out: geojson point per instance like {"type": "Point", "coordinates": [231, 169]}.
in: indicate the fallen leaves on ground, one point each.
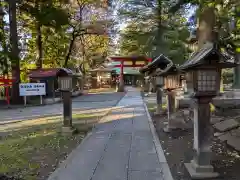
{"type": "Point", "coordinates": [32, 151]}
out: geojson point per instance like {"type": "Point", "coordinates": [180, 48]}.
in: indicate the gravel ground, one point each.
{"type": "Point", "coordinates": [178, 150]}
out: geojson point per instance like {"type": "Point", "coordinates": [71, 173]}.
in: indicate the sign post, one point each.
{"type": "Point", "coordinates": [32, 89]}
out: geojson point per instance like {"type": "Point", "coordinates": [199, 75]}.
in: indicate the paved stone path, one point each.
{"type": "Point", "coordinates": [81, 103]}
{"type": "Point", "coordinates": [122, 147]}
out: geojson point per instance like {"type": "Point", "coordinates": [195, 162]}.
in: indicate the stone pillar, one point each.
{"type": "Point", "coordinates": [121, 78]}
{"type": "Point", "coordinates": [134, 81]}
{"type": "Point", "coordinates": [121, 85]}
{"type": "Point", "coordinates": [150, 87]}
{"type": "Point", "coordinates": [67, 112]}
{"type": "Point", "coordinates": [171, 109]}
{"type": "Point", "coordinates": [154, 85]}
{"type": "Point", "coordinates": [200, 167]}
{"type": "Point", "coordinates": [159, 94]}
{"type": "Point", "coordinates": [146, 84]}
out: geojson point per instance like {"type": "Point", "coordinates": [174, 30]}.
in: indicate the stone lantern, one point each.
{"type": "Point", "coordinates": [159, 81]}
{"type": "Point", "coordinates": [171, 80]}
{"type": "Point", "coordinates": [159, 84]}
{"type": "Point", "coordinates": [171, 84]}
{"type": "Point", "coordinates": [158, 65]}
{"type": "Point", "coordinates": [65, 87]}
{"type": "Point", "coordinates": [203, 70]}
{"type": "Point", "coordinates": [65, 83]}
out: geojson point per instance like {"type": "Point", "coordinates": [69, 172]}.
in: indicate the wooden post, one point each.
{"type": "Point", "coordinates": [25, 100]}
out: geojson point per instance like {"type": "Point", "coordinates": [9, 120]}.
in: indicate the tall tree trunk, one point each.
{"type": "Point", "coordinates": [70, 48]}
{"type": "Point", "coordinates": [39, 46]}
{"type": "Point", "coordinates": [158, 38]}
{"type": "Point", "coordinates": [236, 80]}
{"type": "Point", "coordinates": [39, 40]}
{"type": "Point", "coordinates": [82, 40]}
{"type": "Point", "coordinates": [207, 22]}
{"type": "Point", "coordinates": [14, 55]}
{"type": "Point", "coordinates": [3, 40]}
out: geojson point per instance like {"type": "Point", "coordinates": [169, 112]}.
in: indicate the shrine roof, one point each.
{"type": "Point", "coordinates": [129, 58]}
{"type": "Point", "coordinates": [49, 72]}
{"type": "Point", "coordinates": [160, 62]}
{"type": "Point", "coordinates": [199, 58]}
{"type": "Point", "coordinates": [102, 69]}
{"type": "Point", "coordinates": [173, 69]}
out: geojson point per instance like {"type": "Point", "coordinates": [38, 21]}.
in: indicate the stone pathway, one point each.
{"type": "Point", "coordinates": [123, 146]}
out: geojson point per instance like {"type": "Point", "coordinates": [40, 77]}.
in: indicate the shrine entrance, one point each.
{"type": "Point", "coordinates": [133, 62]}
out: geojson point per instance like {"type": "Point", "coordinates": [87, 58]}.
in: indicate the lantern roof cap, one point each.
{"type": "Point", "coordinates": [208, 49]}
{"type": "Point", "coordinates": [160, 61]}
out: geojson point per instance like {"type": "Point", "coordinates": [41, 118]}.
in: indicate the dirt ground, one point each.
{"type": "Point", "coordinates": [178, 150]}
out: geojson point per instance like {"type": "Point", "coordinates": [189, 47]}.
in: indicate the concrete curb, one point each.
{"type": "Point", "coordinates": [71, 156]}
{"type": "Point", "coordinates": [161, 157]}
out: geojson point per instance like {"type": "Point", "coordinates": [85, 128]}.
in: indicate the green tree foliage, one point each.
{"type": "Point", "coordinates": [63, 25]}
{"type": "Point", "coordinates": [151, 31]}
{"type": "Point", "coordinates": [227, 19]}
{"type": "Point", "coordinates": [52, 33]}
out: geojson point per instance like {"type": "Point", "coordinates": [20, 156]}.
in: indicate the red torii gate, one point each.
{"type": "Point", "coordinates": [129, 61]}
{"type": "Point", "coordinates": [6, 82]}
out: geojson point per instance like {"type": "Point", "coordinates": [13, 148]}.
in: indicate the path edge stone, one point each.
{"type": "Point", "coordinates": [63, 164]}
{"type": "Point", "coordinates": [161, 157]}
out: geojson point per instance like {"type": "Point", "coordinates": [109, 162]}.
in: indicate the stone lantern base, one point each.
{"type": "Point", "coordinates": [120, 88]}
{"type": "Point", "coordinates": [159, 110]}
{"type": "Point", "coordinates": [68, 130]}
{"type": "Point", "coordinates": [200, 172]}
{"type": "Point", "coordinates": [177, 121]}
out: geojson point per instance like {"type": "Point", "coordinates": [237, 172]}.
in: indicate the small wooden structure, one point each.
{"type": "Point", "coordinates": [103, 77]}
{"type": "Point", "coordinates": [50, 77]}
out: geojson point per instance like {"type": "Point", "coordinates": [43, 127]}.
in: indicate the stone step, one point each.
{"type": "Point", "coordinates": [232, 138]}
{"type": "Point", "coordinates": [226, 125]}
{"type": "Point", "coordinates": [215, 120]}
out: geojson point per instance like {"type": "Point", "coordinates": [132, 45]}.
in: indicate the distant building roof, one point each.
{"type": "Point", "coordinates": [102, 69]}
{"type": "Point", "coordinates": [49, 72]}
